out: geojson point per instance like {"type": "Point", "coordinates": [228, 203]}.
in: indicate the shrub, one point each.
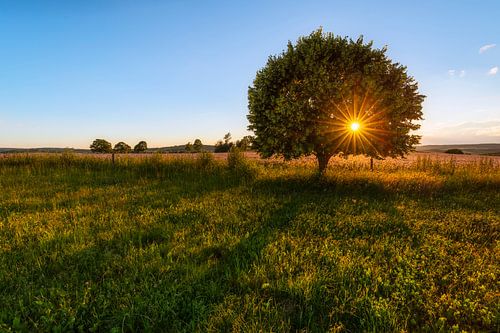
{"type": "Point", "coordinates": [237, 162]}
{"type": "Point", "coordinates": [454, 151]}
{"type": "Point", "coordinates": [235, 158]}
{"type": "Point", "coordinates": [205, 161]}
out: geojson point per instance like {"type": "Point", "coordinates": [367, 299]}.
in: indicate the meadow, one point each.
{"type": "Point", "coordinates": [188, 244]}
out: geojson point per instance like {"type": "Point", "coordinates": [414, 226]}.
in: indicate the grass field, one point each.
{"type": "Point", "coordinates": [203, 244]}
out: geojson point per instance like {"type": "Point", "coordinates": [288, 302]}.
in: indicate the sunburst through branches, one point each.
{"type": "Point", "coordinates": [358, 125]}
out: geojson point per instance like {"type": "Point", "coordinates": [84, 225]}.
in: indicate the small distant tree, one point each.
{"type": "Point", "coordinates": [141, 147]}
{"type": "Point", "coordinates": [197, 145]}
{"type": "Point", "coordinates": [223, 146]}
{"type": "Point", "coordinates": [101, 146]}
{"type": "Point", "coordinates": [245, 143]}
{"type": "Point", "coordinates": [122, 148]}
{"type": "Point", "coordinates": [188, 147]}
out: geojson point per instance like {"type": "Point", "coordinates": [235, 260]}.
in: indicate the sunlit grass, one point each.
{"type": "Point", "coordinates": [178, 244]}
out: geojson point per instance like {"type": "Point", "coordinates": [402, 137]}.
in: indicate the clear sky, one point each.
{"type": "Point", "coordinates": [172, 71]}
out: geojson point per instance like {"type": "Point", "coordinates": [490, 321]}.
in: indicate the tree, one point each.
{"type": "Point", "coordinates": [329, 95]}
{"type": "Point", "coordinates": [245, 143]}
{"type": "Point", "coordinates": [122, 147]}
{"type": "Point", "coordinates": [224, 146]}
{"type": "Point", "coordinates": [197, 145]}
{"type": "Point", "coordinates": [101, 146]}
{"type": "Point", "coordinates": [188, 147]}
{"type": "Point", "coordinates": [141, 147]}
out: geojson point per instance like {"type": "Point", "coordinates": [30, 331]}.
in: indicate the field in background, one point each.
{"type": "Point", "coordinates": [176, 243]}
{"type": "Point", "coordinates": [492, 149]}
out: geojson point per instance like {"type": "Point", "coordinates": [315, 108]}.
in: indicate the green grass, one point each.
{"type": "Point", "coordinates": [155, 244]}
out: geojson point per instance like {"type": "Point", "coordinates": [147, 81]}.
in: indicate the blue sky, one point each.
{"type": "Point", "coordinates": [172, 71]}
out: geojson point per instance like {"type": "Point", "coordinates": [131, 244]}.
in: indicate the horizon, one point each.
{"type": "Point", "coordinates": [169, 73]}
{"type": "Point", "coordinates": [208, 144]}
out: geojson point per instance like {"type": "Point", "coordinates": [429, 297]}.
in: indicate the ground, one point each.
{"type": "Point", "coordinates": [195, 243]}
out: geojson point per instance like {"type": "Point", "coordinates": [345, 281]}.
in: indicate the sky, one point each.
{"type": "Point", "coordinates": [169, 72]}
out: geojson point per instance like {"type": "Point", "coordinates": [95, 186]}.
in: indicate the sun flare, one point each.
{"type": "Point", "coordinates": [355, 126]}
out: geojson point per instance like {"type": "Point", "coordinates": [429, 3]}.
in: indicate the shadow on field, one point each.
{"type": "Point", "coordinates": [133, 279]}
{"type": "Point", "coordinates": [192, 285]}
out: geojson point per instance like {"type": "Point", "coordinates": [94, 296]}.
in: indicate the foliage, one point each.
{"type": "Point", "coordinates": [163, 243]}
{"type": "Point", "coordinates": [304, 101]}
{"type": "Point", "coordinates": [101, 146]}
{"type": "Point", "coordinates": [141, 147]}
{"type": "Point", "coordinates": [235, 158]}
{"type": "Point", "coordinates": [122, 148]}
{"type": "Point", "coordinates": [454, 151]}
{"type": "Point", "coordinates": [205, 161]}
{"type": "Point", "coordinates": [223, 146]}
{"type": "Point", "coordinates": [188, 147]}
{"type": "Point", "coordinates": [240, 165]}
{"type": "Point", "coordinates": [197, 146]}
{"type": "Point", "coordinates": [245, 143]}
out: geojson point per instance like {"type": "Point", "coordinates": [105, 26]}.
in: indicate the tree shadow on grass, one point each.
{"type": "Point", "coordinates": [134, 280]}
{"type": "Point", "coordinates": [104, 265]}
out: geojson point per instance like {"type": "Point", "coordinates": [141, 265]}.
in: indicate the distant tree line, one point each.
{"type": "Point", "coordinates": [103, 146]}
{"type": "Point", "coordinates": [224, 145]}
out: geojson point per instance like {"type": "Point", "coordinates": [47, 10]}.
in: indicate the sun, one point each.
{"type": "Point", "coordinates": [355, 126]}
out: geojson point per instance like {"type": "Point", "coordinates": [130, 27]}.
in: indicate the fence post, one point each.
{"type": "Point", "coordinates": [371, 164]}
{"type": "Point", "coordinates": [113, 158]}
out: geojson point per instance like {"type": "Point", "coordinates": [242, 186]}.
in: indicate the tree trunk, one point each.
{"type": "Point", "coordinates": [323, 162]}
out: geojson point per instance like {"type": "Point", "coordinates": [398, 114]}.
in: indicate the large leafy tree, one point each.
{"type": "Point", "coordinates": [329, 95]}
{"type": "Point", "coordinates": [101, 146]}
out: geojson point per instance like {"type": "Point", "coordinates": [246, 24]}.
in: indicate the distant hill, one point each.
{"type": "Point", "coordinates": [479, 149]}
{"type": "Point", "coordinates": [43, 150]}
{"type": "Point", "coordinates": [171, 149]}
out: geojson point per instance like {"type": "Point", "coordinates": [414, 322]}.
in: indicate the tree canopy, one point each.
{"type": "Point", "coordinates": [245, 143]}
{"type": "Point", "coordinates": [122, 147]}
{"type": "Point", "coordinates": [329, 95]}
{"type": "Point", "coordinates": [140, 147]}
{"type": "Point", "coordinates": [101, 146]}
{"type": "Point", "coordinates": [197, 145]}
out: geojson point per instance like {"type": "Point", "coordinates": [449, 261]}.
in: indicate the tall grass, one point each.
{"type": "Point", "coordinates": [160, 243]}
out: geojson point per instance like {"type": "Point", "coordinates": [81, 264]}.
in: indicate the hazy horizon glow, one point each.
{"type": "Point", "coordinates": [171, 72]}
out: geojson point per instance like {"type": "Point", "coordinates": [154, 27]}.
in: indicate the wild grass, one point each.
{"type": "Point", "coordinates": [199, 244]}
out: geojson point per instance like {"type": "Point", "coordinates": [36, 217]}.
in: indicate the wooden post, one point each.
{"type": "Point", "coordinates": [113, 158]}
{"type": "Point", "coordinates": [371, 164]}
